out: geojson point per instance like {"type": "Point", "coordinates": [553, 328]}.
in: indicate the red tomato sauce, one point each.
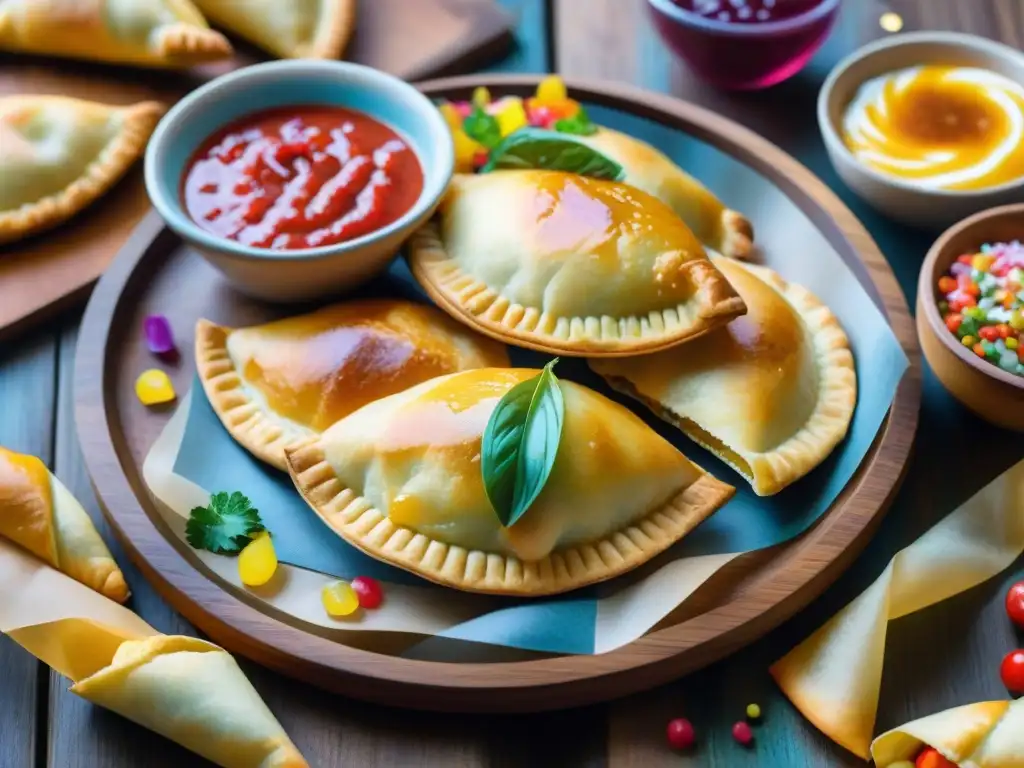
{"type": "Point", "coordinates": [301, 177]}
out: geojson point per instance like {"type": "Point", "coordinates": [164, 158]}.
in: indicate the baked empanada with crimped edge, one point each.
{"type": "Point", "coordinates": [298, 29]}
{"type": "Point", "coordinates": [153, 33]}
{"type": "Point", "coordinates": [568, 264]}
{"type": "Point", "coordinates": [58, 155]}
{"type": "Point", "coordinates": [771, 394]}
{"type": "Point", "coordinates": [42, 517]}
{"type": "Point", "coordinates": [401, 480]}
{"type": "Point", "coordinates": [274, 384]}
{"type": "Point", "coordinates": [718, 227]}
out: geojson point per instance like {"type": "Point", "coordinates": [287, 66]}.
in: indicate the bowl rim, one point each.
{"type": "Point", "coordinates": [683, 16]}
{"type": "Point", "coordinates": [929, 306]}
{"type": "Point", "coordinates": [369, 78]}
{"type": "Point", "coordinates": [835, 145]}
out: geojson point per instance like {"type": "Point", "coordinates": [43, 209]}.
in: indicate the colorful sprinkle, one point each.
{"type": "Point", "coordinates": [339, 599]}
{"type": "Point", "coordinates": [159, 337]}
{"type": "Point", "coordinates": [742, 733]}
{"type": "Point", "coordinates": [257, 562]}
{"type": "Point", "coordinates": [680, 733]}
{"type": "Point", "coordinates": [981, 301]}
{"type": "Point", "coordinates": [368, 591]}
{"type": "Point", "coordinates": [154, 387]}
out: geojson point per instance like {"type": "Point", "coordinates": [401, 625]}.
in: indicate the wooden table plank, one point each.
{"type": "Point", "coordinates": [942, 657]}
{"type": "Point", "coordinates": [27, 391]}
{"type": "Point", "coordinates": [331, 731]}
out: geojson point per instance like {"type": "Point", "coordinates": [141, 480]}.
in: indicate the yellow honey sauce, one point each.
{"type": "Point", "coordinates": [939, 127]}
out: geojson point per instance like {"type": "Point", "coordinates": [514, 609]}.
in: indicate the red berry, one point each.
{"type": "Point", "coordinates": [989, 333]}
{"type": "Point", "coordinates": [680, 733]}
{"type": "Point", "coordinates": [1015, 604]}
{"type": "Point", "coordinates": [742, 733]}
{"type": "Point", "coordinates": [1012, 672]}
{"type": "Point", "coordinates": [368, 591]}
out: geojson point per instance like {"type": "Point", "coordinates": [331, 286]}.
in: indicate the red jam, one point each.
{"type": "Point", "coordinates": [747, 11]}
{"type": "Point", "coordinates": [301, 177]}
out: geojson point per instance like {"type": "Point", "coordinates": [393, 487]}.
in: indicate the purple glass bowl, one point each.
{"type": "Point", "coordinates": [744, 56]}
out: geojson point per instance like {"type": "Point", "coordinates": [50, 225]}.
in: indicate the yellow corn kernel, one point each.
{"type": "Point", "coordinates": [982, 262]}
{"type": "Point", "coordinates": [257, 563]}
{"type": "Point", "coordinates": [339, 599]}
{"type": "Point", "coordinates": [551, 90]}
{"type": "Point", "coordinates": [451, 115]}
{"type": "Point", "coordinates": [481, 96]}
{"type": "Point", "coordinates": [154, 387]}
{"type": "Point", "coordinates": [967, 341]}
{"type": "Point", "coordinates": [465, 150]}
{"type": "Point", "coordinates": [512, 117]}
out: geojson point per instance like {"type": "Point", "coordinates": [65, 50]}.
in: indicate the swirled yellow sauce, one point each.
{"type": "Point", "coordinates": [939, 127]}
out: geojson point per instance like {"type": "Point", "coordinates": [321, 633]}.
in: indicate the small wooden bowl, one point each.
{"type": "Point", "coordinates": [989, 391]}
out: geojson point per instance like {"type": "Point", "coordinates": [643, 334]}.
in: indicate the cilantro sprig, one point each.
{"type": "Point", "coordinates": [225, 526]}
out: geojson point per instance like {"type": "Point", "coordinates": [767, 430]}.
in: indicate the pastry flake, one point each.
{"type": "Point", "coordinates": [989, 734]}
{"type": "Point", "coordinates": [40, 515]}
{"type": "Point", "coordinates": [300, 29]}
{"type": "Point", "coordinates": [156, 33]}
{"type": "Point", "coordinates": [276, 384]}
{"type": "Point", "coordinates": [569, 265]}
{"type": "Point", "coordinates": [401, 480]}
{"type": "Point", "coordinates": [771, 394]}
{"type": "Point", "coordinates": [720, 228]}
{"type": "Point", "coordinates": [58, 155]}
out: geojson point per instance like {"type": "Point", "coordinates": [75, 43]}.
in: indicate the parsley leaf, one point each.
{"type": "Point", "coordinates": [482, 128]}
{"type": "Point", "coordinates": [578, 124]}
{"type": "Point", "coordinates": [224, 527]}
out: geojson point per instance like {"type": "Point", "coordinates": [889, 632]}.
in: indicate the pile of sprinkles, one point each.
{"type": "Point", "coordinates": [981, 300]}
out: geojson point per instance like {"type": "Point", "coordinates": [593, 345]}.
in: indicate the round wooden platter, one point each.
{"type": "Point", "coordinates": [155, 273]}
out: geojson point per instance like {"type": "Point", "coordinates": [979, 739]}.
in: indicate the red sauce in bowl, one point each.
{"type": "Point", "coordinates": [301, 177]}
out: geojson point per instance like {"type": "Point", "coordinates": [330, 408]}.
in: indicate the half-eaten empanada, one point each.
{"type": "Point", "coordinates": [401, 479]}
{"type": "Point", "coordinates": [771, 394]}
{"type": "Point", "coordinates": [275, 384]}
{"type": "Point", "coordinates": [298, 29]}
{"type": "Point", "coordinates": [569, 264]}
{"type": "Point", "coordinates": [720, 228]}
{"type": "Point", "coordinates": [40, 515]}
{"type": "Point", "coordinates": [155, 33]}
{"type": "Point", "coordinates": [57, 155]}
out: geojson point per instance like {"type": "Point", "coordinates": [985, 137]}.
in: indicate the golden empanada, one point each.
{"type": "Point", "coordinates": [40, 515]}
{"type": "Point", "coordinates": [989, 734]}
{"type": "Point", "coordinates": [771, 394]}
{"type": "Point", "coordinates": [156, 33]}
{"type": "Point", "coordinates": [726, 231]}
{"type": "Point", "coordinates": [194, 693]}
{"type": "Point", "coordinates": [299, 29]}
{"type": "Point", "coordinates": [57, 155]}
{"type": "Point", "coordinates": [275, 384]}
{"type": "Point", "coordinates": [401, 479]}
{"type": "Point", "coordinates": [569, 264]}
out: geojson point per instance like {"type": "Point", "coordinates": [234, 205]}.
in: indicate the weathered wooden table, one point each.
{"type": "Point", "coordinates": [944, 656]}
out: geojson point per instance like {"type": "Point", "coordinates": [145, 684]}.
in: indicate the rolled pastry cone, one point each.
{"type": "Point", "coordinates": [39, 514]}
{"type": "Point", "coordinates": [989, 734]}
{"type": "Point", "coordinates": [194, 693]}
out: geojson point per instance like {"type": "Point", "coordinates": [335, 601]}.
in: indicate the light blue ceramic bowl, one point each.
{"type": "Point", "coordinates": [287, 276]}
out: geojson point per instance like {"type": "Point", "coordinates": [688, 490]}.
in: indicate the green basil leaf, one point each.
{"type": "Point", "coordinates": [520, 444]}
{"type": "Point", "coordinates": [578, 124]}
{"type": "Point", "coordinates": [541, 148]}
{"type": "Point", "coordinates": [482, 127]}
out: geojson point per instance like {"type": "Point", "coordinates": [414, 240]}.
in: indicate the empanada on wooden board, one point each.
{"type": "Point", "coordinates": [989, 734]}
{"type": "Point", "coordinates": [275, 384]}
{"type": "Point", "coordinates": [401, 479]}
{"type": "Point", "coordinates": [154, 33]}
{"type": "Point", "coordinates": [299, 29]}
{"type": "Point", "coordinates": [771, 394]}
{"type": "Point", "coordinates": [40, 515]}
{"type": "Point", "coordinates": [58, 155]}
{"type": "Point", "coordinates": [568, 264]}
{"type": "Point", "coordinates": [723, 229]}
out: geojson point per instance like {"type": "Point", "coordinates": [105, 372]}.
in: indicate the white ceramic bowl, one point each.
{"type": "Point", "coordinates": [933, 209]}
{"type": "Point", "coordinates": [298, 275]}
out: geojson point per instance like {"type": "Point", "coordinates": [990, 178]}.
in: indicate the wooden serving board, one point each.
{"type": "Point", "coordinates": [55, 270]}
{"type": "Point", "coordinates": [157, 273]}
